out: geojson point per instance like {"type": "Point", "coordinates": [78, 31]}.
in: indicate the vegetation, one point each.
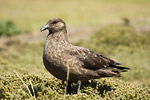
{"type": "Point", "coordinates": [8, 28]}
{"type": "Point", "coordinates": [22, 74]}
{"type": "Point", "coordinates": [31, 15]}
{"type": "Point", "coordinates": [32, 86]}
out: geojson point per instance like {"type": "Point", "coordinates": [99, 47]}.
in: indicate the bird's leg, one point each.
{"type": "Point", "coordinates": [79, 86]}
{"type": "Point", "coordinates": [68, 88]}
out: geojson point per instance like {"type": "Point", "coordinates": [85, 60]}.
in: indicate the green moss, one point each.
{"type": "Point", "coordinates": [8, 28]}
{"type": "Point", "coordinates": [131, 49]}
{"type": "Point", "coordinates": [44, 88]}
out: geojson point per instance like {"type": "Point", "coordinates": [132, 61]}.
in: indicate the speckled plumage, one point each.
{"type": "Point", "coordinates": [83, 64]}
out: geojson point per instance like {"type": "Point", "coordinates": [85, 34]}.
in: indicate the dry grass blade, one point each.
{"type": "Point", "coordinates": [23, 82]}
{"type": "Point", "coordinates": [67, 80]}
{"type": "Point", "coordinates": [67, 71]}
{"type": "Point", "coordinates": [32, 88]}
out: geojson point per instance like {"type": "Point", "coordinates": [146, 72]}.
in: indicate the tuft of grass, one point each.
{"type": "Point", "coordinates": [66, 81]}
{"type": "Point", "coordinates": [8, 28]}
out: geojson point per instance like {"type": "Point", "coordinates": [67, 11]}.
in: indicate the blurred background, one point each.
{"type": "Point", "coordinates": [117, 28]}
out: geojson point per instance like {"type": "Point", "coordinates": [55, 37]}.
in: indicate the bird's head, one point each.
{"type": "Point", "coordinates": [54, 25]}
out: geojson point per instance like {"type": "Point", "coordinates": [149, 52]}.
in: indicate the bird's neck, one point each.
{"type": "Point", "coordinates": [57, 37]}
{"type": "Point", "coordinates": [57, 40]}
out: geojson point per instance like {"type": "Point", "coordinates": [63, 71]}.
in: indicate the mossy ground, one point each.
{"type": "Point", "coordinates": [42, 87]}
{"type": "Point", "coordinates": [23, 75]}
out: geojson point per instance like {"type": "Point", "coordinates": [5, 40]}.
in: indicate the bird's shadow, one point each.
{"type": "Point", "coordinates": [101, 88]}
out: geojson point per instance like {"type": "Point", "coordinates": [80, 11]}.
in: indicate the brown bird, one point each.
{"type": "Point", "coordinates": [60, 57]}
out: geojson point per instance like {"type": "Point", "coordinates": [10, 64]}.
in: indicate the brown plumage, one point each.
{"type": "Point", "coordinates": [83, 64]}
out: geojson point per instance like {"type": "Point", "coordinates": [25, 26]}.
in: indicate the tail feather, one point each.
{"type": "Point", "coordinates": [112, 71]}
{"type": "Point", "coordinates": [122, 69]}
{"type": "Point", "coordinates": [108, 73]}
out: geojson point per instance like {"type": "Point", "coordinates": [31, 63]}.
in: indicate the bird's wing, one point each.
{"type": "Point", "coordinates": [90, 59]}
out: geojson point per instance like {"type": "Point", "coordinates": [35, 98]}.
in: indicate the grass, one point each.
{"type": "Point", "coordinates": [130, 48]}
{"type": "Point", "coordinates": [31, 15]}
{"type": "Point", "coordinates": [23, 82]}
{"type": "Point", "coordinates": [123, 43]}
{"type": "Point", "coordinates": [46, 88]}
{"type": "Point", "coordinates": [22, 57]}
{"type": "Point", "coordinates": [8, 28]}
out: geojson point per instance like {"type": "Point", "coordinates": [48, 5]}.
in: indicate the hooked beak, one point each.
{"type": "Point", "coordinates": [44, 27]}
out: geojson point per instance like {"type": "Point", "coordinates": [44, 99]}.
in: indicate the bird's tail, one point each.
{"type": "Point", "coordinates": [112, 71]}
{"type": "Point", "coordinates": [121, 69]}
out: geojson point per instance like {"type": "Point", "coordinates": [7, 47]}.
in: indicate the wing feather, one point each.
{"type": "Point", "coordinates": [92, 60]}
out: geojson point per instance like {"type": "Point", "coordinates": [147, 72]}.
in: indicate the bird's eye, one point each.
{"type": "Point", "coordinates": [54, 22]}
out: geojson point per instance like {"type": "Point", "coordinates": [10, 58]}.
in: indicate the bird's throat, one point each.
{"type": "Point", "coordinates": [57, 39]}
